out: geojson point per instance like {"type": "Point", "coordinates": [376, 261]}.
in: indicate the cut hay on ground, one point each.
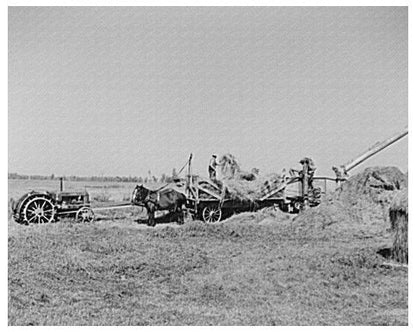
{"type": "Point", "coordinates": [266, 216]}
{"type": "Point", "coordinates": [398, 213]}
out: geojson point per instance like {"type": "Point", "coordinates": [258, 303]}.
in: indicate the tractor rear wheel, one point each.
{"type": "Point", "coordinates": [38, 209]}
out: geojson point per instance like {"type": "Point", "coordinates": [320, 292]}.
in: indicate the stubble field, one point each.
{"type": "Point", "coordinates": [264, 268]}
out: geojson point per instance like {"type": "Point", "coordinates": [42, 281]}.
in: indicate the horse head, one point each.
{"type": "Point", "coordinates": [140, 193]}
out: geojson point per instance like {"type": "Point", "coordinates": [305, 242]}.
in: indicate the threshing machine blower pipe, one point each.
{"type": "Point", "coordinates": [342, 171]}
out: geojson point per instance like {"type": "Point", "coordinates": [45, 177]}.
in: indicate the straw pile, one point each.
{"type": "Point", "coordinates": [331, 217]}
{"type": "Point", "coordinates": [243, 185]}
{"type": "Point", "coordinates": [398, 213]}
{"type": "Point", "coordinates": [370, 192]}
{"type": "Point", "coordinates": [372, 184]}
{"type": "Point", "coordinates": [360, 207]}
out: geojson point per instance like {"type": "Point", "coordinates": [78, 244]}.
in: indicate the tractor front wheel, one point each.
{"type": "Point", "coordinates": [85, 214]}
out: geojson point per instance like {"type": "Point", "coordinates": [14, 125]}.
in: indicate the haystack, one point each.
{"type": "Point", "coordinates": [398, 213]}
{"type": "Point", "coordinates": [360, 207]}
{"type": "Point", "coordinates": [371, 183]}
{"type": "Point", "coordinates": [370, 192]}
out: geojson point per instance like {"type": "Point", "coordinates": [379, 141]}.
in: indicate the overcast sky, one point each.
{"type": "Point", "coordinates": [124, 90]}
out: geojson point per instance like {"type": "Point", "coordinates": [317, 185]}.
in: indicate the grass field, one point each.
{"type": "Point", "coordinates": [253, 269]}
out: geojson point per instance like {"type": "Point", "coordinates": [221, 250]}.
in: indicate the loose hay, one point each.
{"type": "Point", "coordinates": [371, 183]}
{"type": "Point", "coordinates": [398, 213]}
{"type": "Point", "coordinates": [229, 165]}
{"type": "Point", "coordinates": [243, 185]}
{"type": "Point", "coordinates": [370, 192]}
{"type": "Point", "coordinates": [266, 216]}
{"type": "Point", "coordinates": [359, 208]}
{"type": "Point", "coordinates": [243, 190]}
{"type": "Point", "coordinates": [330, 216]}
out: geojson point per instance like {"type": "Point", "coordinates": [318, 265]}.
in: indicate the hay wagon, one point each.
{"type": "Point", "coordinates": [209, 201]}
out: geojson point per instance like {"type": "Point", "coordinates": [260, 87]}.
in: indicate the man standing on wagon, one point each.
{"type": "Point", "coordinates": [212, 167]}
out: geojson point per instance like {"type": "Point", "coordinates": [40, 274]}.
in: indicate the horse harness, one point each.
{"type": "Point", "coordinates": [148, 197]}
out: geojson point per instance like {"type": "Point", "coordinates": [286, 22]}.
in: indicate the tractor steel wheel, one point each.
{"type": "Point", "coordinates": [211, 214]}
{"type": "Point", "coordinates": [85, 214]}
{"type": "Point", "coordinates": [39, 210]}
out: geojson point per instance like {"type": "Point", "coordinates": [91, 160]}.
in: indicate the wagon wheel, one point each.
{"type": "Point", "coordinates": [39, 210]}
{"type": "Point", "coordinates": [211, 214]}
{"type": "Point", "coordinates": [85, 214]}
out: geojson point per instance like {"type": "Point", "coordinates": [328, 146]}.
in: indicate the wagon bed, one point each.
{"type": "Point", "coordinates": [210, 201]}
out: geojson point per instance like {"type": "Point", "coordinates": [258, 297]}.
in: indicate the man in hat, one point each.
{"type": "Point", "coordinates": [212, 167]}
{"type": "Point", "coordinates": [310, 169]}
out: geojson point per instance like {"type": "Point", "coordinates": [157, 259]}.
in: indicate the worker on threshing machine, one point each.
{"type": "Point", "coordinates": [310, 170]}
{"type": "Point", "coordinates": [212, 167]}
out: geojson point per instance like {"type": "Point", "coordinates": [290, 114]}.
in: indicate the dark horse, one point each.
{"type": "Point", "coordinates": [164, 199]}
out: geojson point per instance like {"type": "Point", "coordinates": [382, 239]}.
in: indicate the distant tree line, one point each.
{"type": "Point", "coordinates": [138, 179]}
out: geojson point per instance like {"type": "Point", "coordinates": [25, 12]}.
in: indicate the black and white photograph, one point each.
{"type": "Point", "coordinates": [207, 166]}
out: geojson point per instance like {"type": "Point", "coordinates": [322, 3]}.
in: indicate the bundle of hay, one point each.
{"type": "Point", "coordinates": [243, 185]}
{"type": "Point", "coordinates": [230, 168]}
{"type": "Point", "coordinates": [243, 190]}
{"type": "Point", "coordinates": [398, 213]}
{"type": "Point", "coordinates": [229, 165]}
